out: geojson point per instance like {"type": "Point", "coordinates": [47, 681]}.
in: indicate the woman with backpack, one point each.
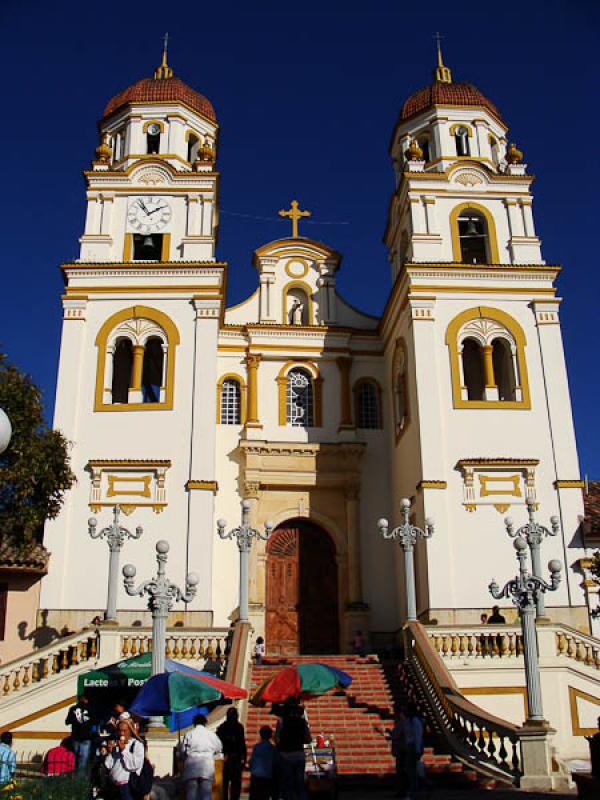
{"type": "Point", "coordinates": [130, 772]}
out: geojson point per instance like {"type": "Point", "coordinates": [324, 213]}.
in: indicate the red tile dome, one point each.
{"type": "Point", "coordinates": [461, 93]}
{"type": "Point", "coordinates": [161, 90]}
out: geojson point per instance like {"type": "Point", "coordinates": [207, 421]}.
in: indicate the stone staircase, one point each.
{"type": "Point", "coordinates": [356, 719]}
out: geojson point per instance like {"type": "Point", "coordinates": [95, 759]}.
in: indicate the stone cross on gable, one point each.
{"type": "Point", "coordinates": [294, 213]}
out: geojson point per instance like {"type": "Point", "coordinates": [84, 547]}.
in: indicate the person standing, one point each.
{"type": "Point", "coordinates": [414, 748]}
{"type": "Point", "coordinates": [496, 617]}
{"type": "Point", "coordinates": [262, 767]}
{"type": "Point", "coordinates": [80, 720]}
{"type": "Point", "coordinates": [259, 650]}
{"type": "Point", "coordinates": [125, 758]}
{"type": "Point", "coordinates": [8, 759]}
{"type": "Point", "coordinates": [60, 760]}
{"type": "Point", "coordinates": [291, 735]}
{"type": "Point", "coordinates": [200, 747]}
{"type": "Point", "coordinates": [231, 734]}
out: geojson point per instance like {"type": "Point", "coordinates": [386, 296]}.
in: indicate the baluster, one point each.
{"type": "Point", "coordinates": [26, 675]}
{"type": "Point", "coordinates": [570, 647]}
{"type": "Point", "coordinates": [435, 641]}
{"type": "Point", "coordinates": [202, 648]}
{"type": "Point", "coordinates": [134, 646]}
{"type": "Point", "coordinates": [168, 651]}
{"type": "Point", "coordinates": [579, 655]}
{"type": "Point", "coordinates": [472, 736]}
{"type": "Point", "coordinates": [176, 650]}
{"type": "Point", "coordinates": [481, 740]}
{"type": "Point", "coordinates": [561, 643]}
{"type": "Point", "coordinates": [597, 658]}
{"type": "Point", "coordinates": [454, 645]}
{"type": "Point", "coordinates": [55, 663]}
{"type": "Point", "coordinates": [45, 667]}
{"type": "Point", "coordinates": [495, 648]}
{"type": "Point", "coordinates": [143, 645]}
{"type": "Point", "coordinates": [17, 680]}
{"type": "Point", "coordinates": [589, 659]}
{"type": "Point", "coordinates": [125, 648]}
{"type": "Point", "coordinates": [193, 648]}
{"type": "Point", "coordinates": [6, 685]}
{"type": "Point", "coordinates": [502, 753]}
{"type": "Point", "coordinates": [64, 661]}
{"type": "Point", "coordinates": [471, 645]}
{"type": "Point", "coordinates": [185, 653]}
{"type": "Point", "coordinates": [75, 655]}
{"type": "Point", "coordinates": [478, 653]}
{"type": "Point", "coordinates": [515, 756]}
{"type": "Point", "coordinates": [150, 644]}
{"type": "Point", "coordinates": [491, 748]}
{"type": "Point", "coordinates": [463, 644]}
{"type": "Point", "coordinates": [519, 644]}
{"type": "Point", "coordinates": [503, 645]}
{"type": "Point", "coordinates": [512, 645]}
{"type": "Point", "coordinates": [209, 650]}
{"type": "Point", "coordinates": [35, 672]}
{"type": "Point", "coordinates": [93, 646]}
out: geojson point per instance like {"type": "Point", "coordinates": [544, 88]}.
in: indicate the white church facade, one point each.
{"type": "Point", "coordinates": [178, 407]}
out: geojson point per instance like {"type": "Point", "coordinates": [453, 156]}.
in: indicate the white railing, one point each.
{"type": "Point", "coordinates": [476, 641]}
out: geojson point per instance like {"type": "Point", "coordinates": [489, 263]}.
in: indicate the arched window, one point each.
{"type": "Point", "coordinates": [399, 385]}
{"type": "Point", "coordinates": [504, 369]}
{"type": "Point", "coordinates": [461, 137]}
{"type": "Point", "coordinates": [136, 361]}
{"type": "Point", "coordinates": [193, 142]}
{"type": "Point", "coordinates": [231, 402]}
{"type": "Point", "coordinates": [152, 370]}
{"type": "Point", "coordinates": [487, 360]}
{"type": "Point", "coordinates": [423, 142]}
{"type": "Point", "coordinates": [473, 236]}
{"type": "Point", "coordinates": [153, 138]}
{"type": "Point", "coordinates": [122, 365]}
{"type": "Point", "coordinates": [300, 399]}
{"type": "Point", "coordinates": [474, 377]}
{"type": "Point", "coordinates": [367, 401]}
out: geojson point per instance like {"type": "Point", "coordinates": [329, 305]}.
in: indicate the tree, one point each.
{"type": "Point", "coordinates": [34, 470]}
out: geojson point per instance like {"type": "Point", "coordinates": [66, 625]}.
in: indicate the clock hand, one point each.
{"type": "Point", "coordinates": [160, 208]}
{"type": "Point", "coordinates": [143, 207]}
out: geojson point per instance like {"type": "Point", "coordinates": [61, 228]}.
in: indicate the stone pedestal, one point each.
{"type": "Point", "coordinates": [536, 759]}
{"type": "Point", "coordinates": [161, 744]}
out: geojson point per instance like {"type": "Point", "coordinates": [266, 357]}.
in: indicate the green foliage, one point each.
{"type": "Point", "coordinates": [34, 470]}
{"type": "Point", "coordinates": [67, 787]}
{"type": "Point", "coordinates": [595, 568]}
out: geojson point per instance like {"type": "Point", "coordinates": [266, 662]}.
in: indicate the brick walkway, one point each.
{"type": "Point", "coordinates": [458, 794]}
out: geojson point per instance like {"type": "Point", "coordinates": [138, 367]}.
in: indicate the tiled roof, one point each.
{"type": "Point", "coordinates": [461, 93]}
{"type": "Point", "coordinates": [23, 557]}
{"type": "Point", "coordinates": [591, 505]}
{"type": "Point", "coordinates": [153, 90]}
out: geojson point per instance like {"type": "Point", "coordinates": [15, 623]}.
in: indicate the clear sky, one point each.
{"type": "Point", "coordinates": [306, 95]}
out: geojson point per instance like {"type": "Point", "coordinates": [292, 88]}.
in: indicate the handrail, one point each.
{"type": "Point", "coordinates": [475, 735]}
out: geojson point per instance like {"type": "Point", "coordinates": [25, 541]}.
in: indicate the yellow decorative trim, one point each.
{"type": "Point", "coordinates": [491, 231]}
{"type": "Point", "coordinates": [519, 336]}
{"type": "Point", "coordinates": [126, 508]}
{"type": "Point", "coordinates": [112, 479]}
{"type": "Point", "coordinates": [189, 133]}
{"type": "Point", "coordinates": [243, 395]}
{"type": "Point", "coordinates": [127, 249]}
{"type": "Point", "coordinates": [481, 289]}
{"type": "Point", "coordinates": [158, 122]}
{"type": "Point", "coordinates": [574, 484]}
{"type": "Point", "coordinates": [457, 125]}
{"type": "Point", "coordinates": [288, 269]}
{"type": "Point", "coordinates": [16, 723]}
{"type": "Point", "coordinates": [498, 462]}
{"type": "Point", "coordinates": [205, 486]}
{"type": "Point", "coordinates": [169, 327]}
{"type": "Point", "coordinates": [502, 508]}
{"type": "Point", "coordinates": [317, 382]}
{"type": "Point", "coordinates": [576, 728]}
{"type": "Point", "coordinates": [307, 290]}
{"type": "Point", "coordinates": [207, 291]}
{"type": "Point", "coordinates": [166, 247]}
{"type": "Point", "coordinates": [432, 485]}
{"type": "Point", "coordinates": [514, 479]}
{"type": "Point", "coordinates": [128, 462]}
{"type": "Point", "coordinates": [355, 392]}
{"type": "Point", "coordinates": [470, 507]}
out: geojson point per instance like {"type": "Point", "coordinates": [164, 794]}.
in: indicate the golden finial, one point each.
{"type": "Point", "coordinates": [206, 152]}
{"type": "Point", "coordinates": [513, 155]}
{"type": "Point", "coordinates": [414, 152]}
{"type": "Point", "coordinates": [104, 151]}
{"type": "Point", "coordinates": [164, 71]}
{"type": "Point", "coordinates": [294, 214]}
{"type": "Point", "coordinates": [441, 72]}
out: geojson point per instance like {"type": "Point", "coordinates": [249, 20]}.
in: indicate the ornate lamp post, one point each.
{"type": "Point", "coordinates": [115, 535]}
{"type": "Point", "coordinates": [524, 590]}
{"type": "Point", "coordinates": [161, 596]}
{"type": "Point", "coordinates": [533, 533]}
{"type": "Point", "coordinates": [5, 431]}
{"type": "Point", "coordinates": [244, 535]}
{"type": "Point", "coordinates": [407, 535]}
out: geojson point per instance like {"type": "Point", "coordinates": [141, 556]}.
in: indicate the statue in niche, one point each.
{"type": "Point", "coordinates": [296, 312]}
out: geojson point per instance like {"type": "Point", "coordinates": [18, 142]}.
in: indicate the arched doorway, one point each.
{"type": "Point", "coordinates": [302, 591]}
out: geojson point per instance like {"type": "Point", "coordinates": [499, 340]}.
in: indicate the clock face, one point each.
{"type": "Point", "coordinates": [153, 129]}
{"type": "Point", "coordinates": [149, 214]}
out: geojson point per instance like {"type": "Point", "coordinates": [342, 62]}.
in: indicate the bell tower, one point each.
{"type": "Point", "coordinates": [481, 407]}
{"type": "Point", "coordinates": [142, 307]}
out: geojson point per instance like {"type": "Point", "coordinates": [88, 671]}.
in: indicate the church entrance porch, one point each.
{"type": "Point", "coordinates": [301, 608]}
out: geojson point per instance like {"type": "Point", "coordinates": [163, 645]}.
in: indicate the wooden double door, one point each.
{"type": "Point", "coordinates": [302, 613]}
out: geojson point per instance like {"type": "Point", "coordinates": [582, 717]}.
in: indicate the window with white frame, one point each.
{"type": "Point", "coordinates": [300, 399]}
{"type": "Point", "coordinates": [231, 405]}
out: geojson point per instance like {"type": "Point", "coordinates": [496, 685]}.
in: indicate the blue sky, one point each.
{"type": "Point", "coordinates": [306, 95]}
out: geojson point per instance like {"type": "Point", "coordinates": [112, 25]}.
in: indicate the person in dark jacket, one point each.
{"type": "Point", "coordinates": [82, 728]}
{"type": "Point", "coordinates": [231, 733]}
{"type": "Point", "coordinates": [291, 735]}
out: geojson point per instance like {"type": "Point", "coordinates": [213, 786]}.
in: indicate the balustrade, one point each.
{"type": "Point", "coordinates": [180, 646]}
{"type": "Point", "coordinates": [577, 646]}
{"type": "Point", "coordinates": [476, 641]}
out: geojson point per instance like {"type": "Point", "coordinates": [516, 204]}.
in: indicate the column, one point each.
{"type": "Point", "coordinates": [331, 300]}
{"type": "Point", "coordinates": [264, 298]}
{"type": "Point", "coordinates": [252, 362]}
{"type": "Point", "coordinates": [256, 580]}
{"type": "Point", "coordinates": [207, 216]}
{"type": "Point", "coordinates": [107, 207]}
{"type": "Point", "coordinates": [514, 220]}
{"type": "Point", "coordinates": [491, 390]}
{"type": "Point", "coordinates": [193, 216]}
{"type": "Point", "coordinates": [137, 368]}
{"type": "Point", "coordinates": [430, 215]}
{"type": "Point", "coordinates": [528, 218]}
{"type": "Point", "coordinates": [352, 495]}
{"type": "Point", "coordinates": [345, 363]}
{"type": "Point", "coordinates": [92, 217]}
{"type": "Point", "coordinates": [417, 214]}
